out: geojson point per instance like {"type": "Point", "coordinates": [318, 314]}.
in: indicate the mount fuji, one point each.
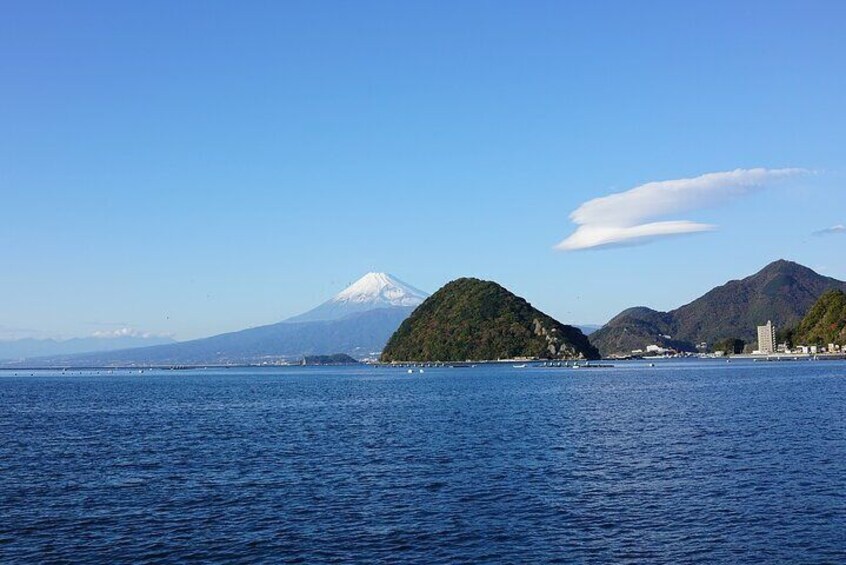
{"type": "Point", "coordinates": [358, 321]}
{"type": "Point", "coordinates": [370, 292]}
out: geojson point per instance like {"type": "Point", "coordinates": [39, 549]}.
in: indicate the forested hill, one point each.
{"type": "Point", "coordinates": [472, 319]}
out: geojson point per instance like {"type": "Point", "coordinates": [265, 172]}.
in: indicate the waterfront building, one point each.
{"type": "Point", "coordinates": [767, 338]}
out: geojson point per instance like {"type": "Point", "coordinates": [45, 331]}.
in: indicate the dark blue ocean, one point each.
{"type": "Point", "coordinates": [684, 462]}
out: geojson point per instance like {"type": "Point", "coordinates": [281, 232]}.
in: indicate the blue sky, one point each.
{"type": "Point", "coordinates": [191, 168]}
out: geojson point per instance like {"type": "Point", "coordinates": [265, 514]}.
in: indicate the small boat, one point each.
{"type": "Point", "coordinates": [523, 366]}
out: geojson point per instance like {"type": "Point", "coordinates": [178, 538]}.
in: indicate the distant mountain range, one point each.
{"type": "Point", "coordinates": [31, 347]}
{"type": "Point", "coordinates": [782, 291]}
{"type": "Point", "coordinates": [588, 329]}
{"type": "Point", "coordinates": [358, 321]}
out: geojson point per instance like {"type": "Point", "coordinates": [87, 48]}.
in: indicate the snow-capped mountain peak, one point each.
{"type": "Point", "coordinates": [381, 288]}
{"type": "Point", "coordinates": [372, 291]}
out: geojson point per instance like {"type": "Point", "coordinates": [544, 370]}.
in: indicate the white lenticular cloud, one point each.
{"type": "Point", "coordinates": [625, 218]}
{"type": "Point", "coordinates": [839, 228]}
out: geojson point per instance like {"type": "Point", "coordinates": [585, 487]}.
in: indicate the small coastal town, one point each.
{"type": "Point", "coordinates": [768, 348]}
{"type": "Point", "coordinates": [768, 345]}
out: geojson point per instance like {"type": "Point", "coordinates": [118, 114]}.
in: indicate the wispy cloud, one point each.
{"type": "Point", "coordinates": [125, 332]}
{"type": "Point", "coordinates": [839, 228]}
{"type": "Point", "coordinates": [624, 218]}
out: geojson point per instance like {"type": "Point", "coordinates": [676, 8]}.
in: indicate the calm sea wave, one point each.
{"type": "Point", "coordinates": [683, 462]}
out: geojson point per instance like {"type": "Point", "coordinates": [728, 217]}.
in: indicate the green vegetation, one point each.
{"type": "Point", "coordinates": [786, 336]}
{"type": "Point", "coordinates": [825, 322]}
{"type": "Point", "coordinates": [471, 319]}
{"type": "Point", "coordinates": [782, 292]}
{"type": "Point", "coordinates": [336, 359]}
{"type": "Point", "coordinates": [731, 346]}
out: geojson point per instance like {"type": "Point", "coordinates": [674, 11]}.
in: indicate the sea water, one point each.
{"type": "Point", "coordinates": [680, 462]}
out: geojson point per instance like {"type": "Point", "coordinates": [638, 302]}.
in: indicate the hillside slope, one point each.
{"type": "Point", "coordinates": [358, 335]}
{"type": "Point", "coordinates": [825, 322]}
{"type": "Point", "coordinates": [782, 291]}
{"type": "Point", "coordinates": [471, 319]}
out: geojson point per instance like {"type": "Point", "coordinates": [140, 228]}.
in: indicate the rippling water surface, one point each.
{"type": "Point", "coordinates": [683, 462]}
